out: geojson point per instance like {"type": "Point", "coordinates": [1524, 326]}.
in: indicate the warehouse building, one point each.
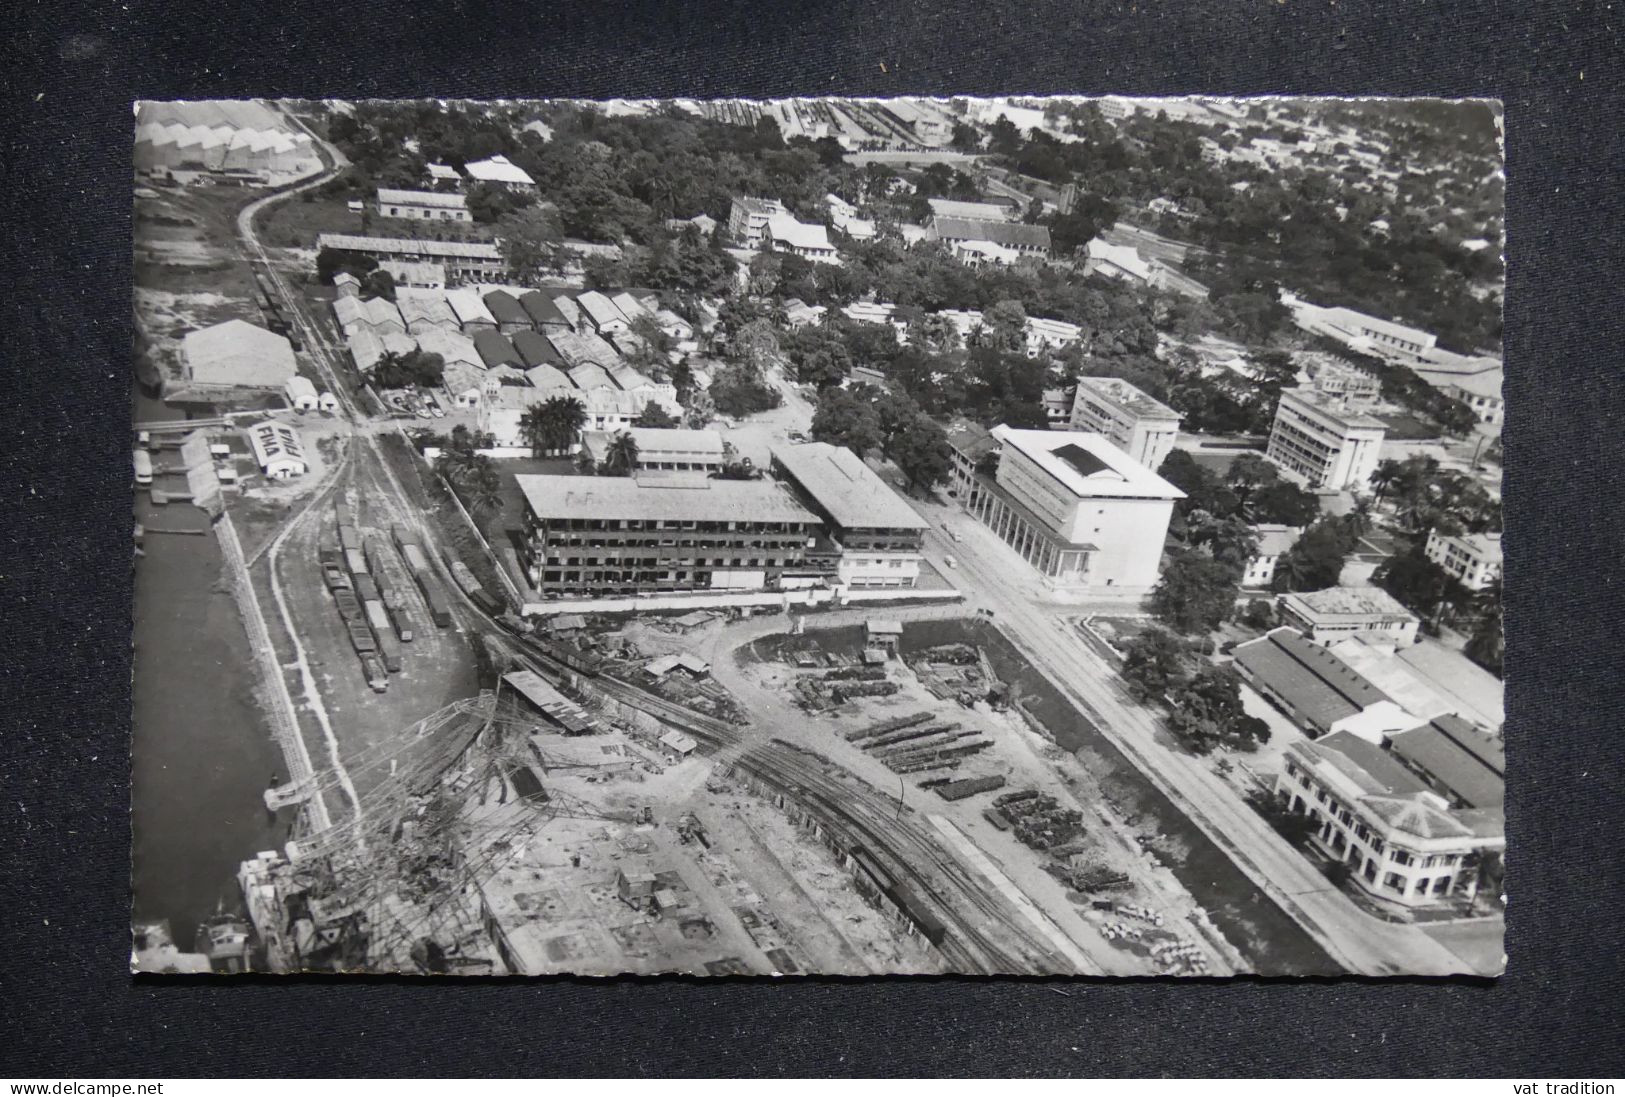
{"type": "Point", "coordinates": [237, 355]}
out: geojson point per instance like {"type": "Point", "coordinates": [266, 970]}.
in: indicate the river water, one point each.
{"type": "Point", "coordinates": [201, 751]}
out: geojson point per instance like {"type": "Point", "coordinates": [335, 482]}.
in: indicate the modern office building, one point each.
{"type": "Point", "coordinates": [1473, 559]}
{"type": "Point", "coordinates": [1141, 427]}
{"type": "Point", "coordinates": [1076, 508]}
{"type": "Point", "coordinates": [876, 533]}
{"type": "Point", "coordinates": [1322, 441]}
{"type": "Point", "coordinates": [607, 535]}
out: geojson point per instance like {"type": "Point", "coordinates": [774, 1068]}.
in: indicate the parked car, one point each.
{"type": "Point", "coordinates": [950, 561]}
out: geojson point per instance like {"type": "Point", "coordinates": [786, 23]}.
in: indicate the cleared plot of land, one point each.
{"type": "Point", "coordinates": [736, 889]}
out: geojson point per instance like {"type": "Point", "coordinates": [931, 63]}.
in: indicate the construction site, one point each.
{"type": "Point", "coordinates": [855, 809]}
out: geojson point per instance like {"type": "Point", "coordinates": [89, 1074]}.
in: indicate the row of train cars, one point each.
{"type": "Point", "coordinates": [360, 573]}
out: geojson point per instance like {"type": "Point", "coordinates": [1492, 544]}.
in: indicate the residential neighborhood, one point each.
{"type": "Point", "coordinates": [822, 536]}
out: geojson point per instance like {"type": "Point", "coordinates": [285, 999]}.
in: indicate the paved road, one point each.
{"type": "Point", "coordinates": [993, 576]}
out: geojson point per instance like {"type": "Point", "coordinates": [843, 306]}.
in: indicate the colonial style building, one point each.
{"type": "Point", "coordinates": [1403, 842]}
{"type": "Point", "coordinates": [1076, 508]}
{"type": "Point", "coordinates": [423, 205]}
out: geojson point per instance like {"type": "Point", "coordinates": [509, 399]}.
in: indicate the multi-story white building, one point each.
{"type": "Point", "coordinates": [1077, 508]}
{"type": "Point", "coordinates": [1323, 442]}
{"type": "Point", "coordinates": [1273, 542]}
{"type": "Point", "coordinates": [1404, 842]}
{"type": "Point", "coordinates": [1474, 559]}
{"type": "Point", "coordinates": [1337, 613]}
{"type": "Point", "coordinates": [1141, 427]}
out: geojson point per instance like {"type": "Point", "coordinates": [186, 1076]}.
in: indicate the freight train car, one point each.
{"type": "Point", "coordinates": [377, 618]}
{"type": "Point", "coordinates": [349, 605]}
{"type": "Point", "coordinates": [416, 562]}
{"type": "Point", "coordinates": [389, 649]}
{"type": "Point", "coordinates": [366, 589]}
{"type": "Point", "coordinates": [355, 561]}
{"type": "Point", "coordinates": [361, 638]}
{"type": "Point", "coordinates": [434, 596]}
{"type": "Point", "coordinates": [899, 895]}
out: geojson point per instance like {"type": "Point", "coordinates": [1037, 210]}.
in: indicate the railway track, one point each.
{"type": "Point", "coordinates": [985, 935]}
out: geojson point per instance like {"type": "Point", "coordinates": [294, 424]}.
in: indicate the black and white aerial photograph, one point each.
{"type": "Point", "coordinates": [822, 536]}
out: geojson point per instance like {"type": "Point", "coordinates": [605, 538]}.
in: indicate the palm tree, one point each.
{"type": "Point", "coordinates": [483, 490]}
{"type": "Point", "coordinates": [565, 416]}
{"type": "Point", "coordinates": [585, 464]}
{"type": "Point", "coordinates": [622, 456]}
{"type": "Point", "coordinates": [552, 425]}
{"type": "Point", "coordinates": [1359, 519]}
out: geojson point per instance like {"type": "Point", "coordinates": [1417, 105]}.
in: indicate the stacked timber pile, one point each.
{"type": "Point", "coordinates": [1040, 821]}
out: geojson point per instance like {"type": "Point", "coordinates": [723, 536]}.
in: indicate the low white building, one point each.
{"type": "Point", "coordinates": [1337, 613]}
{"type": "Point", "coordinates": [499, 171]}
{"type": "Point", "coordinates": [785, 234]}
{"type": "Point", "coordinates": [423, 205]}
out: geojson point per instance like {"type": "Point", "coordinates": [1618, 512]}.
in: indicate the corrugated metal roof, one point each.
{"type": "Point", "coordinates": [1313, 681]}
{"type": "Point", "coordinates": [619, 497]}
{"type": "Point", "coordinates": [846, 488]}
{"type": "Point", "coordinates": [1463, 759]}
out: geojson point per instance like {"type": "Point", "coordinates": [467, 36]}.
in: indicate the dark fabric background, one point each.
{"type": "Point", "coordinates": [69, 76]}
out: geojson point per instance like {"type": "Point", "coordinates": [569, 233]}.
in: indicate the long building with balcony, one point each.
{"type": "Point", "coordinates": [1320, 440]}
{"type": "Point", "coordinates": [611, 535]}
{"type": "Point", "coordinates": [876, 534]}
{"type": "Point", "coordinates": [1078, 509]}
